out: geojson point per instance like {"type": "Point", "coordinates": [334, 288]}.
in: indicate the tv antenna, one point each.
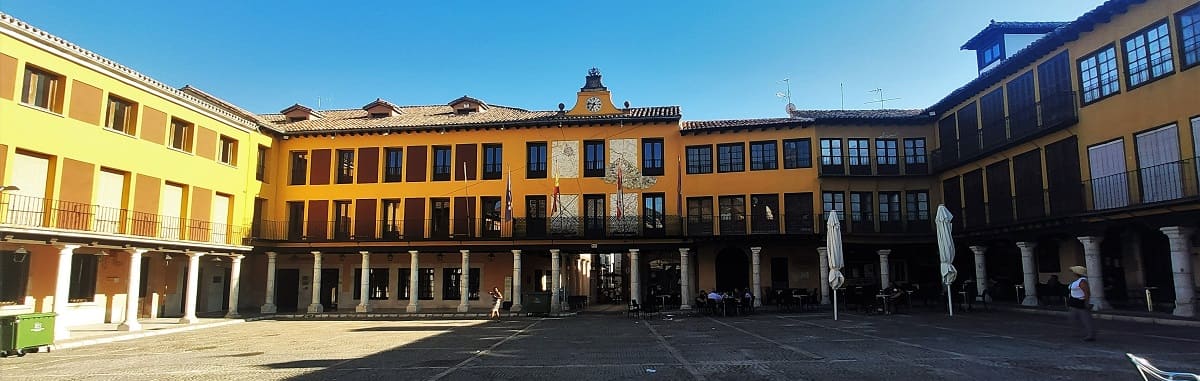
{"type": "Point", "coordinates": [881, 98]}
{"type": "Point", "coordinates": [787, 96]}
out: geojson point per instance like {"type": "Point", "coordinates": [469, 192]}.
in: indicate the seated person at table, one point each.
{"type": "Point", "coordinates": [892, 296]}
{"type": "Point", "coordinates": [714, 296]}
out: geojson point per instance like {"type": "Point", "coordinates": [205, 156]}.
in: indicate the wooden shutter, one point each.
{"type": "Point", "coordinates": [364, 218]}
{"type": "Point", "coordinates": [368, 165]}
{"type": "Point", "coordinates": [464, 216]}
{"type": "Point", "coordinates": [1158, 153]}
{"type": "Point", "coordinates": [973, 208]}
{"type": "Point", "coordinates": [321, 164]}
{"type": "Point", "coordinates": [417, 164]}
{"type": "Point", "coordinates": [414, 217]}
{"type": "Point", "coordinates": [1062, 176]}
{"type": "Point", "coordinates": [468, 155]}
{"type": "Point", "coordinates": [952, 197]}
{"type": "Point", "coordinates": [1109, 183]}
{"type": "Point", "coordinates": [318, 219]}
{"type": "Point", "coordinates": [1027, 172]}
{"type": "Point", "coordinates": [999, 193]}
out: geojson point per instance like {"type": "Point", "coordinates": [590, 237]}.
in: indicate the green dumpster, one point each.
{"type": "Point", "coordinates": [536, 302]}
{"type": "Point", "coordinates": [21, 334]}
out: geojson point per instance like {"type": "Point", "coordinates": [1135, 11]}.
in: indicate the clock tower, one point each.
{"type": "Point", "coordinates": [594, 98]}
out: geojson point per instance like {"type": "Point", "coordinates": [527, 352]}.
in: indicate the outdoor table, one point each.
{"type": "Point", "coordinates": [663, 302]}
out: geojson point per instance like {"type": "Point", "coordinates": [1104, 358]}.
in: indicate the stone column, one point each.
{"type": "Point", "coordinates": [364, 284]}
{"type": "Point", "coordinates": [980, 269]}
{"type": "Point", "coordinates": [1180, 239]}
{"type": "Point", "coordinates": [516, 288]}
{"type": "Point", "coordinates": [235, 285]}
{"type": "Point", "coordinates": [635, 283]}
{"type": "Point", "coordinates": [269, 306]}
{"type": "Point", "coordinates": [1095, 276]}
{"type": "Point", "coordinates": [414, 303]}
{"type": "Point", "coordinates": [131, 300]}
{"type": "Point", "coordinates": [685, 286]}
{"type": "Point", "coordinates": [555, 272]}
{"type": "Point", "coordinates": [885, 271]}
{"type": "Point", "coordinates": [315, 306]}
{"type": "Point", "coordinates": [193, 282]}
{"type": "Point", "coordinates": [1031, 281]}
{"type": "Point", "coordinates": [756, 275]}
{"type": "Point", "coordinates": [823, 257]}
{"type": "Point", "coordinates": [62, 289]}
{"type": "Point", "coordinates": [464, 282]}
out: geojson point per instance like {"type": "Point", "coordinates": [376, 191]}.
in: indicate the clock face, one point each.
{"type": "Point", "coordinates": [593, 104]}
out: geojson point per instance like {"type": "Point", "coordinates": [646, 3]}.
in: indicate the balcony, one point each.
{"type": "Point", "coordinates": [865, 223]}
{"type": "Point", "coordinates": [485, 229]}
{"type": "Point", "coordinates": [35, 212]}
{"type": "Point", "coordinates": [1050, 114]}
{"type": "Point", "coordinates": [842, 167]}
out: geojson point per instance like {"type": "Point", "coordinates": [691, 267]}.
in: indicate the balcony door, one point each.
{"type": "Point", "coordinates": [1158, 164]}
{"type": "Point", "coordinates": [1109, 184]}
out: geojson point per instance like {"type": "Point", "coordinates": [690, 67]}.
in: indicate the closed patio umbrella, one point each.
{"type": "Point", "coordinates": [946, 251]}
{"type": "Point", "coordinates": [833, 246]}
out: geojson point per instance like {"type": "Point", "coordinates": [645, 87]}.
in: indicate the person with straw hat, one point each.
{"type": "Point", "coordinates": [1078, 308]}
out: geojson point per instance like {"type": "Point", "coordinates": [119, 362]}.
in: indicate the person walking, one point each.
{"type": "Point", "coordinates": [497, 299]}
{"type": "Point", "coordinates": [1078, 306]}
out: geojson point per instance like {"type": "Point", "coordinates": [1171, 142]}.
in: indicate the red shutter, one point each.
{"type": "Point", "coordinates": [466, 154]}
{"type": "Point", "coordinates": [418, 160]}
{"type": "Point", "coordinates": [414, 218]}
{"type": "Point", "coordinates": [321, 162]}
{"type": "Point", "coordinates": [318, 219]}
{"type": "Point", "coordinates": [364, 219]}
{"type": "Point", "coordinates": [368, 165]}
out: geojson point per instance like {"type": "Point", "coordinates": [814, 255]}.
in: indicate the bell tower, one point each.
{"type": "Point", "coordinates": [594, 98]}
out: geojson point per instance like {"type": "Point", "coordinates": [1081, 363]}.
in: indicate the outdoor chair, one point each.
{"type": "Point", "coordinates": [1149, 372]}
{"type": "Point", "coordinates": [634, 309]}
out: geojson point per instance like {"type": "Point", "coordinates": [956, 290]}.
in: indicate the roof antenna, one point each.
{"type": "Point", "coordinates": [881, 99]}
{"type": "Point", "coordinates": [791, 107]}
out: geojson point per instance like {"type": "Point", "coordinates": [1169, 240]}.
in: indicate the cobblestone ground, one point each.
{"type": "Point", "coordinates": [920, 346]}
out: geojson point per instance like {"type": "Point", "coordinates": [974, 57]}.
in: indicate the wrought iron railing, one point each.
{"type": "Point", "coordinates": [37, 212]}
{"type": "Point", "coordinates": [882, 223]}
{"type": "Point", "coordinates": [871, 166]}
{"type": "Point", "coordinates": [1052, 112]}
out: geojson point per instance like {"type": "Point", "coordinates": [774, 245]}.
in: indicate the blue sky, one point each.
{"type": "Point", "coordinates": [716, 59]}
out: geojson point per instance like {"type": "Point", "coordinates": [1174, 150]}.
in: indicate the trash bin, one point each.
{"type": "Point", "coordinates": [536, 302]}
{"type": "Point", "coordinates": [21, 334]}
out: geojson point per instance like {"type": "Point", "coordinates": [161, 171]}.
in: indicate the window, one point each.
{"type": "Point", "coordinates": [831, 201]}
{"type": "Point", "coordinates": [992, 54]}
{"type": "Point", "coordinates": [295, 220]}
{"type": "Point", "coordinates": [699, 215]}
{"type": "Point", "coordinates": [14, 275]}
{"type": "Point", "coordinates": [121, 115]}
{"type": "Point", "coordinates": [394, 169]}
{"type": "Point", "coordinates": [440, 218]}
{"type": "Point", "coordinates": [763, 156]}
{"type": "Point", "coordinates": [299, 168]}
{"type": "Point", "coordinates": [260, 169]}
{"type": "Point", "coordinates": [42, 89]}
{"type": "Point", "coordinates": [228, 153]}
{"type": "Point", "coordinates": [493, 214]}
{"type": "Point", "coordinates": [377, 284]}
{"type": "Point", "coordinates": [653, 205]}
{"type": "Point", "coordinates": [425, 284]}
{"type": "Point", "coordinates": [1098, 74]}
{"type": "Point", "coordinates": [731, 157]}
{"type": "Point", "coordinates": [764, 213]}
{"type": "Point", "coordinates": [594, 214]}
{"type": "Point", "coordinates": [859, 152]}
{"type": "Point", "coordinates": [916, 205]}
{"type": "Point", "coordinates": [593, 158]}
{"type": "Point", "coordinates": [699, 160]}
{"type": "Point", "coordinates": [441, 163]}
{"type": "Point", "coordinates": [1188, 23]}
{"type": "Point", "coordinates": [831, 152]}
{"type": "Point", "coordinates": [887, 156]}
{"type": "Point", "coordinates": [341, 211]}
{"type": "Point", "coordinates": [889, 207]}
{"type": "Point", "coordinates": [83, 278]}
{"type": "Point", "coordinates": [390, 214]}
{"type": "Point", "coordinates": [1148, 55]}
{"type": "Point", "coordinates": [733, 214]}
{"type": "Point", "coordinates": [535, 165]}
{"type": "Point", "coordinates": [914, 155]}
{"type": "Point", "coordinates": [181, 135]}
{"type": "Point", "coordinates": [452, 278]}
{"type": "Point", "coordinates": [493, 161]}
{"type": "Point", "coordinates": [860, 206]}
{"type": "Point", "coordinates": [377, 115]}
{"type": "Point", "coordinates": [652, 157]}
{"type": "Point", "coordinates": [345, 166]}
{"type": "Point", "coordinates": [797, 153]}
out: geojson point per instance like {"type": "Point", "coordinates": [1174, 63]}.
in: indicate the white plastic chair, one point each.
{"type": "Point", "coordinates": [1149, 372]}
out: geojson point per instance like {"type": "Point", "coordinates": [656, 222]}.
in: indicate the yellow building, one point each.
{"type": "Point", "coordinates": [122, 193]}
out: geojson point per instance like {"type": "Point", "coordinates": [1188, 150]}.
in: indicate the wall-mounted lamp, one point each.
{"type": "Point", "coordinates": [166, 259]}
{"type": "Point", "coordinates": [390, 257]}
{"type": "Point", "coordinates": [20, 254]}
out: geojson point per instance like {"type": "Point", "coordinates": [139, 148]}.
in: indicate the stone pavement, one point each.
{"type": "Point", "coordinates": [922, 345]}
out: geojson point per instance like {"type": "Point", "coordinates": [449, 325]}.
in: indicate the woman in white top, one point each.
{"type": "Point", "coordinates": [1078, 308]}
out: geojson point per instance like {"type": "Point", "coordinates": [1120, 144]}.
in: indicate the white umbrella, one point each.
{"type": "Point", "coordinates": [833, 246]}
{"type": "Point", "coordinates": [946, 251]}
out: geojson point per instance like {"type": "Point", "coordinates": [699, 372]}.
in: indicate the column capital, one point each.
{"type": "Point", "coordinates": [238, 257]}
{"type": "Point", "coordinates": [1090, 240]}
{"type": "Point", "coordinates": [633, 251]}
{"type": "Point", "coordinates": [1027, 245]}
{"type": "Point", "coordinates": [137, 251]}
{"type": "Point", "coordinates": [1177, 232]}
{"type": "Point", "coordinates": [67, 247]}
{"type": "Point", "coordinates": [316, 253]}
{"type": "Point", "coordinates": [194, 254]}
{"type": "Point", "coordinates": [884, 252]}
{"type": "Point", "coordinates": [755, 249]}
{"type": "Point", "coordinates": [414, 252]}
{"type": "Point", "coordinates": [272, 254]}
{"type": "Point", "coordinates": [823, 250]}
{"type": "Point", "coordinates": [364, 252]}
{"type": "Point", "coordinates": [979, 250]}
{"type": "Point", "coordinates": [554, 251]}
{"type": "Point", "coordinates": [684, 250]}
{"type": "Point", "coordinates": [516, 251]}
{"type": "Point", "coordinates": [465, 251]}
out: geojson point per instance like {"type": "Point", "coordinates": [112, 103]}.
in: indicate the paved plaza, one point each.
{"type": "Point", "coordinates": [918, 346]}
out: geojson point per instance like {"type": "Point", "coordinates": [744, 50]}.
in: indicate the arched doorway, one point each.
{"type": "Point", "coordinates": [733, 269]}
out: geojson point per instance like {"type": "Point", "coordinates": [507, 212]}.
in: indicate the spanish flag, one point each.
{"type": "Point", "coordinates": [554, 202]}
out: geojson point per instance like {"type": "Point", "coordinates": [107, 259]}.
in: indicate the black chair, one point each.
{"type": "Point", "coordinates": [634, 309]}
